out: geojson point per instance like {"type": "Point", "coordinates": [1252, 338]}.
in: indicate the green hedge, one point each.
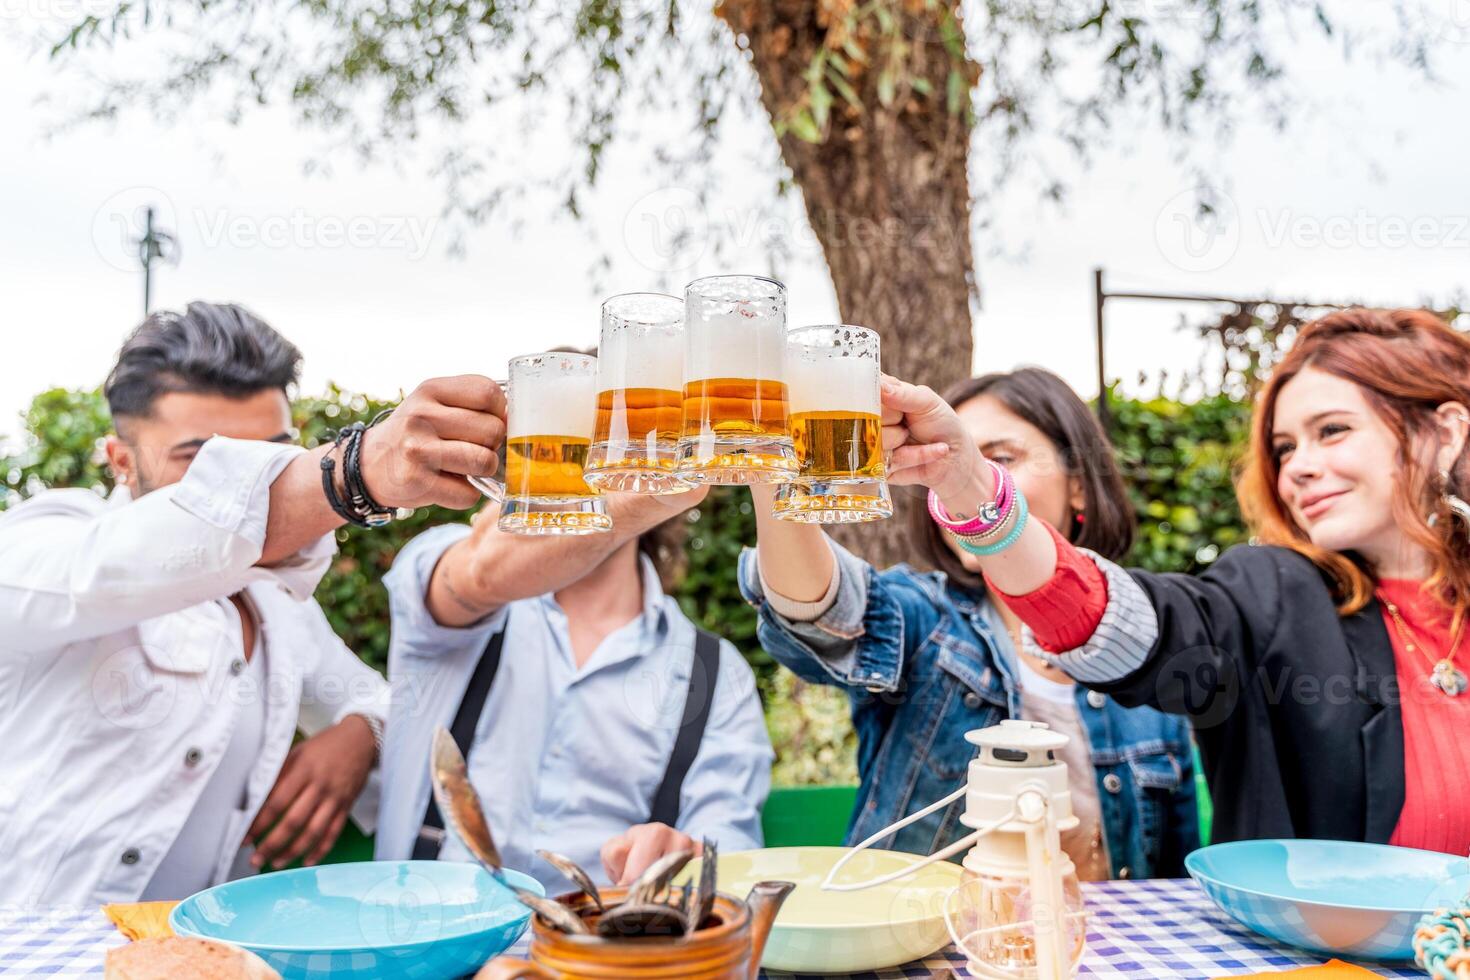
{"type": "Point", "coordinates": [1177, 458]}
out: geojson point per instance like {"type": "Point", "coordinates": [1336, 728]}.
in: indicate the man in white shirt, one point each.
{"type": "Point", "coordinates": [597, 722]}
{"type": "Point", "coordinates": [159, 649]}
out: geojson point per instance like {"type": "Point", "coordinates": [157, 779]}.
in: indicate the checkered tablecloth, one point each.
{"type": "Point", "coordinates": [1137, 930]}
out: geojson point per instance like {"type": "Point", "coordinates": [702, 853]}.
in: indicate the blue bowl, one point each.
{"type": "Point", "coordinates": [376, 920]}
{"type": "Point", "coordinates": [1336, 897]}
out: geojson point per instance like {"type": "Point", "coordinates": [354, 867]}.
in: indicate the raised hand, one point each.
{"type": "Point", "coordinates": [927, 444]}
{"type": "Point", "coordinates": [445, 430]}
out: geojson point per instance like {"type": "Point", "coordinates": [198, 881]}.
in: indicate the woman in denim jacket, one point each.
{"type": "Point", "coordinates": [927, 656]}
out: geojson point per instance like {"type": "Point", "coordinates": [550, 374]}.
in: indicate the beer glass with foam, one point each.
{"type": "Point", "coordinates": [836, 426]}
{"type": "Point", "coordinates": [552, 400]}
{"type": "Point", "coordinates": [736, 427]}
{"type": "Point", "coordinates": [640, 376]}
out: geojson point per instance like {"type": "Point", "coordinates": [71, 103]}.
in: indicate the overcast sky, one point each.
{"type": "Point", "coordinates": [1366, 198]}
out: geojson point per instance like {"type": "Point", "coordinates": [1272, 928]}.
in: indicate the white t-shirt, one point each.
{"type": "Point", "coordinates": [188, 866]}
{"type": "Point", "coordinates": [1055, 703]}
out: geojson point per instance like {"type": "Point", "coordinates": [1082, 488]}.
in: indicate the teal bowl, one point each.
{"type": "Point", "coordinates": [1340, 898]}
{"type": "Point", "coordinates": [376, 920]}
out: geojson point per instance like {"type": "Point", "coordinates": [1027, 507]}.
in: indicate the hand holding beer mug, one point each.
{"type": "Point", "coordinates": [736, 428]}
{"type": "Point", "coordinates": [836, 426]}
{"type": "Point", "coordinates": [640, 371]}
{"type": "Point", "coordinates": [552, 405]}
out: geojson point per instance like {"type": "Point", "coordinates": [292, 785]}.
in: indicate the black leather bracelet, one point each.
{"type": "Point", "coordinates": [329, 488]}
{"type": "Point", "coordinates": [362, 502]}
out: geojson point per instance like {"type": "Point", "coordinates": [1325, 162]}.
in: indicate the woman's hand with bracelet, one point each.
{"type": "Point", "coordinates": [927, 444]}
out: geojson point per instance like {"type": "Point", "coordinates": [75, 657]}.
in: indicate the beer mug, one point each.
{"type": "Point", "coordinates": [552, 399]}
{"type": "Point", "coordinates": [640, 374]}
{"type": "Point", "coordinates": [832, 374]}
{"type": "Point", "coordinates": [735, 426]}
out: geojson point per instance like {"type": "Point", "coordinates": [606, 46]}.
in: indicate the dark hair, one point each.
{"type": "Point", "coordinates": [212, 348]}
{"type": "Point", "coordinates": [664, 546]}
{"type": "Point", "coordinates": [1049, 403]}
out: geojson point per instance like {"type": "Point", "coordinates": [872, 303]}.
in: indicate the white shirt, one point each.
{"type": "Point", "coordinates": [118, 646]}
{"type": "Point", "coordinates": [565, 758]}
{"type": "Point", "coordinates": [181, 873]}
{"type": "Point", "coordinates": [1055, 704]}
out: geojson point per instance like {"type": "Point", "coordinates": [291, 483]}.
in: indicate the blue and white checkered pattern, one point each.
{"type": "Point", "coordinates": [1137, 930]}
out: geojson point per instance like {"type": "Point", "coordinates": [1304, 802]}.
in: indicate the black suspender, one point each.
{"type": "Point", "coordinates": [703, 675]}
{"type": "Point", "coordinates": [431, 835]}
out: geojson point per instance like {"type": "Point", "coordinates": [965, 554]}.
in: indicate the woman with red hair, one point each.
{"type": "Point", "coordinates": [1322, 665]}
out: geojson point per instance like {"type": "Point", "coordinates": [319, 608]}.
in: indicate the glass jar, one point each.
{"type": "Point", "coordinates": [997, 925]}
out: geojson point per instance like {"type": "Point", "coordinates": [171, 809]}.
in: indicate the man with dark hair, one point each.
{"type": "Point", "coordinates": [598, 721]}
{"type": "Point", "coordinates": [159, 649]}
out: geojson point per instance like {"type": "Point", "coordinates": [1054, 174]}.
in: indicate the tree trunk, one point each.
{"type": "Point", "coordinates": [887, 194]}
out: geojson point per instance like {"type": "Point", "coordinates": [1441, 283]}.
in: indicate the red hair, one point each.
{"type": "Point", "coordinates": [1407, 363]}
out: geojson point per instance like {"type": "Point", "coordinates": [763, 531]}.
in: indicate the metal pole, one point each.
{"type": "Point", "coordinates": [149, 244]}
{"type": "Point", "coordinates": [1100, 297]}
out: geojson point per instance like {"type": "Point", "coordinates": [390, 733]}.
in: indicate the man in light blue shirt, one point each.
{"type": "Point", "coordinates": [582, 716]}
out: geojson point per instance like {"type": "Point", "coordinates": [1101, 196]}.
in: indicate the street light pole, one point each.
{"type": "Point", "coordinates": [153, 245]}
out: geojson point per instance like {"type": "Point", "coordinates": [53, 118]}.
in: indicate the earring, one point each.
{"type": "Point", "coordinates": [1456, 504]}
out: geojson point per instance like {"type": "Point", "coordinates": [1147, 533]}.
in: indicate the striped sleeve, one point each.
{"type": "Point", "coordinates": [1127, 632]}
{"type": "Point", "coordinates": [1091, 615]}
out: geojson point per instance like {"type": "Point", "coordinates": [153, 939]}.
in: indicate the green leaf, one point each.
{"type": "Point", "coordinates": [957, 93]}
{"type": "Point", "coordinates": [804, 127]}
{"type": "Point", "coordinates": [886, 86]}
{"type": "Point", "coordinates": [821, 100]}
{"type": "Point", "coordinates": [847, 92]}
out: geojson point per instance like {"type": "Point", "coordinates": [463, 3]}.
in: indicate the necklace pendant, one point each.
{"type": "Point", "coordinates": [1449, 679]}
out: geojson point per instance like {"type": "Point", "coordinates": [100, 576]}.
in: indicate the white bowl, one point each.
{"type": "Point", "coordinates": [844, 932]}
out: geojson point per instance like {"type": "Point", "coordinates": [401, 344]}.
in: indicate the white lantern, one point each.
{"type": "Point", "coordinates": [1018, 912]}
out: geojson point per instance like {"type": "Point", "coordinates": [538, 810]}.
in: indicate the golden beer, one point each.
{"type": "Point", "coordinates": [836, 428]}
{"type": "Point", "coordinates": [639, 415]}
{"type": "Point", "coordinates": [552, 400]}
{"type": "Point", "coordinates": [640, 370]}
{"type": "Point", "coordinates": [838, 445]}
{"type": "Point", "coordinates": [737, 420]}
{"type": "Point", "coordinates": [547, 467]}
{"type": "Point", "coordinates": [735, 407]}
{"type": "Point", "coordinates": [633, 445]}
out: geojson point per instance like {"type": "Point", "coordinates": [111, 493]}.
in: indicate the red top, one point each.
{"type": "Point", "coordinates": [1064, 612]}
{"type": "Point", "coordinates": [1436, 814]}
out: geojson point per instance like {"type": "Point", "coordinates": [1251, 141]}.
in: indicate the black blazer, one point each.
{"type": "Point", "coordinates": [1295, 708]}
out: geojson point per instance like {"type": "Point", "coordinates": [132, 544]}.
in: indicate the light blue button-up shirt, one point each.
{"type": "Point", "coordinates": [564, 758]}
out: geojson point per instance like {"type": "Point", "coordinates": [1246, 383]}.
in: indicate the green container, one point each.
{"type": "Point", "coordinates": [799, 816]}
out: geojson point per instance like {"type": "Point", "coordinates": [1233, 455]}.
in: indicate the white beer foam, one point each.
{"type": "Point", "coordinates": [553, 405]}
{"type": "Point", "coordinates": [832, 384]}
{"type": "Point", "coordinates": [650, 358]}
{"type": "Point", "coordinates": [733, 345]}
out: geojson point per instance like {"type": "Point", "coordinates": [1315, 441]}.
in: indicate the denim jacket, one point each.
{"type": "Point", "coordinates": [921, 666]}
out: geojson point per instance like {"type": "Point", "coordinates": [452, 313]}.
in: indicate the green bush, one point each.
{"type": "Point", "coordinates": [1177, 458]}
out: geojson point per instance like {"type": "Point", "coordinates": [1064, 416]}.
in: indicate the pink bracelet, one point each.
{"type": "Point", "coordinates": [991, 515]}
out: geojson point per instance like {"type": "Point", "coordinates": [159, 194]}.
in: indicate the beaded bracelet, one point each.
{"type": "Point", "coordinates": [991, 514]}
{"type": "Point", "coordinates": [987, 550]}
{"type": "Point", "coordinates": [1442, 943]}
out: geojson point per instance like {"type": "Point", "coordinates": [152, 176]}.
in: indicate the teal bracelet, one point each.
{"type": "Point", "coordinates": [987, 550]}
